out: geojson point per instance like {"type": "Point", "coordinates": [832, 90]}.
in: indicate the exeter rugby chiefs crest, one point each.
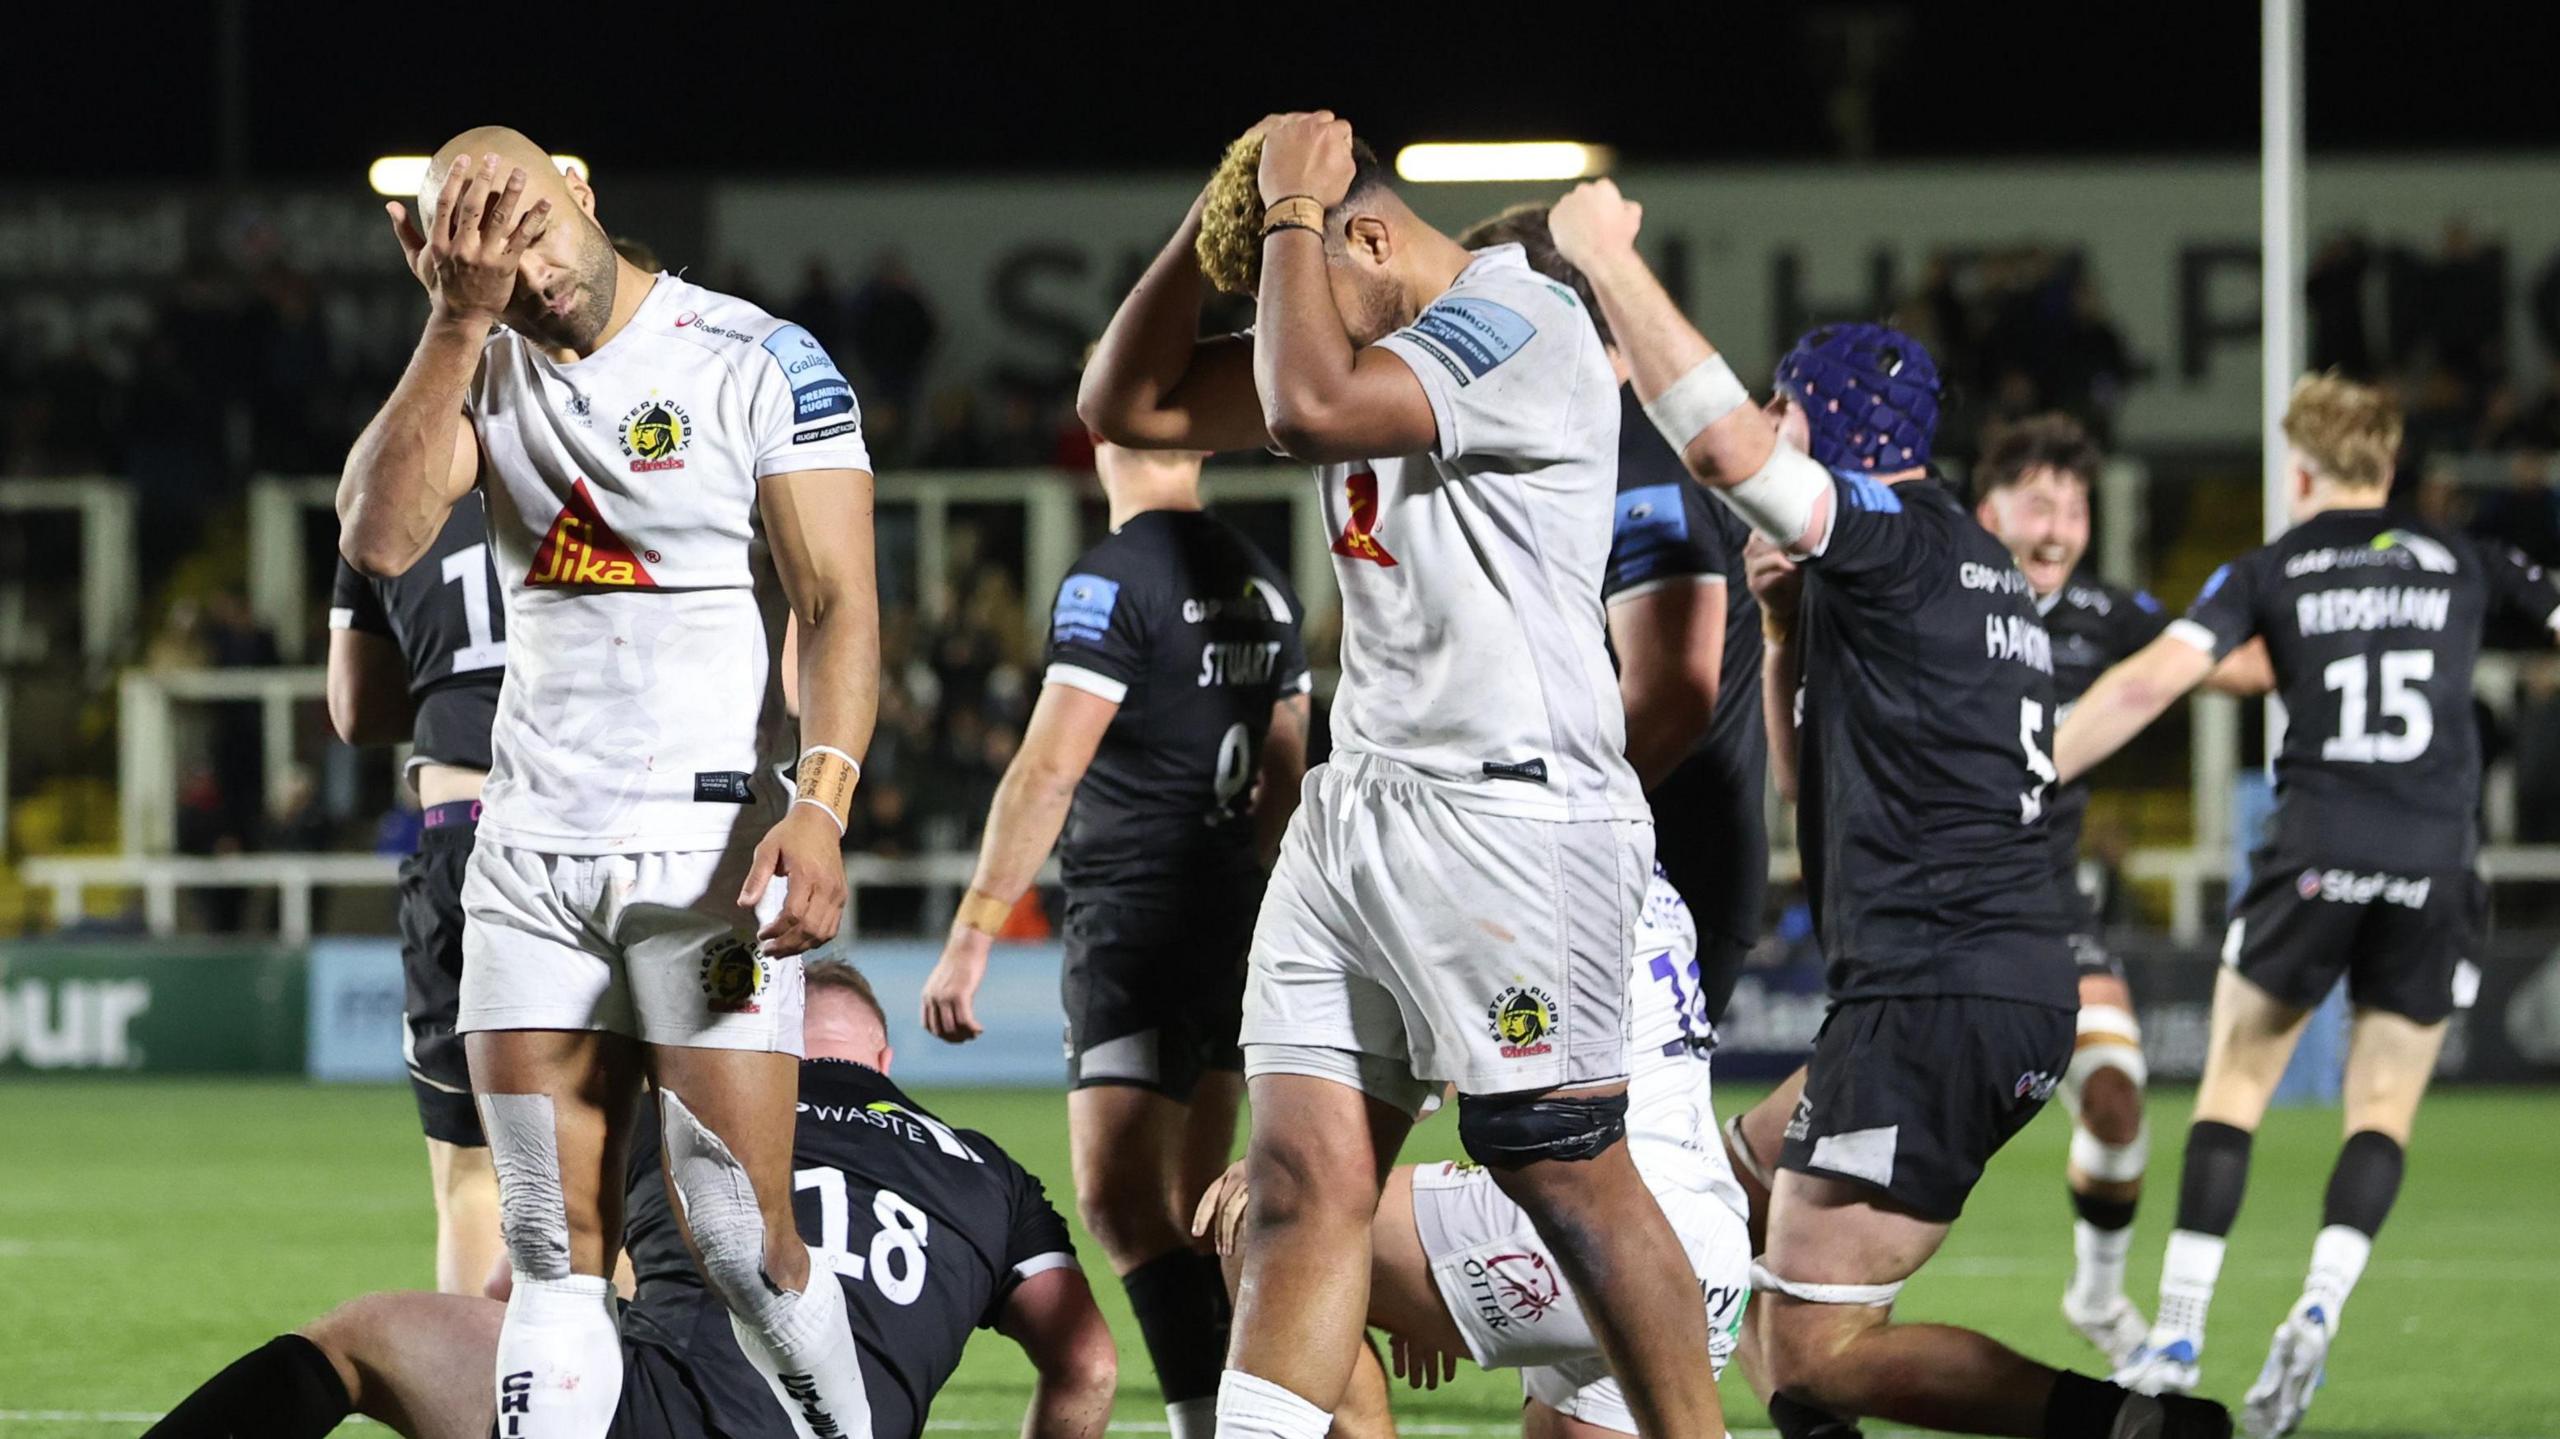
{"type": "Point", "coordinates": [1523, 1017]}
{"type": "Point", "coordinates": [733, 975]}
{"type": "Point", "coordinates": [653, 434]}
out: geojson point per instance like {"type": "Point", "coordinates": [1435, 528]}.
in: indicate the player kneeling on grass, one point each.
{"type": "Point", "coordinates": [1456, 1267]}
{"type": "Point", "coordinates": [929, 1231]}
{"type": "Point", "coordinates": [1925, 691]}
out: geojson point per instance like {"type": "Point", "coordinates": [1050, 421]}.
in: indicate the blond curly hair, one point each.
{"type": "Point", "coordinates": [1230, 244]}
{"type": "Point", "coordinates": [2349, 432]}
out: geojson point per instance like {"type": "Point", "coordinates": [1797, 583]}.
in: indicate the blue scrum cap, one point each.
{"type": "Point", "coordinates": [1869, 395]}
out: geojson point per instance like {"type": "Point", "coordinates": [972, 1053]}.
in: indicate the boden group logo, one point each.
{"type": "Point", "coordinates": [655, 433]}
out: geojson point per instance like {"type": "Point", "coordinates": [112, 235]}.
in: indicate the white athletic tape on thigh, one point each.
{"type": "Point", "coordinates": [719, 1204]}
{"type": "Point", "coordinates": [533, 1213]}
{"type": "Point", "coordinates": [1872, 1296]}
{"type": "Point", "coordinates": [2111, 1163]}
{"type": "Point", "coordinates": [1779, 501]}
{"type": "Point", "coordinates": [1708, 393]}
{"type": "Point", "coordinates": [1738, 1146]}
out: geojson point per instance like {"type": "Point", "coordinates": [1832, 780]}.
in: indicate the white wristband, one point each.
{"type": "Point", "coordinates": [822, 807]}
{"type": "Point", "coordinates": [1706, 394]}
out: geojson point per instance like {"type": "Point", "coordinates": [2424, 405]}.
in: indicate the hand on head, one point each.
{"type": "Point", "coordinates": [466, 249]}
{"type": "Point", "coordinates": [1305, 154]}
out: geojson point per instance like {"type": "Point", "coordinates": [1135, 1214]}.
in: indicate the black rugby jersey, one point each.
{"type": "Point", "coordinates": [2373, 622]}
{"type": "Point", "coordinates": [449, 619]}
{"type": "Point", "coordinates": [2094, 625]}
{"type": "Point", "coordinates": [1925, 760]}
{"type": "Point", "coordinates": [1710, 835]}
{"type": "Point", "coordinates": [1194, 633]}
{"type": "Point", "coordinates": [927, 1228]}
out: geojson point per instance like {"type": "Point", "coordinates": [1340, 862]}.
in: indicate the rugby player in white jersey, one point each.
{"type": "Point", "coordinates": [1456, 1268]}
{"type": "Point", "coordinates": [1456, 897]}
{"type": "Point", "coordinates": [670, 474]}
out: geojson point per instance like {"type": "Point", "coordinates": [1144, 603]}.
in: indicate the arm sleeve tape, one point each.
{"type": "Point", "coordinates": [1873, 1296]}
{"type": "Point", "coordinates": [1779, 500]}
{"type": "Point", "coordinates": [1708, 393]}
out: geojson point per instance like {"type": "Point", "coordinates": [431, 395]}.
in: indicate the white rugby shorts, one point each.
{"type": "Point", "coordinates": [1424, 937]}
{"type": "Point", "coordinates": [1510, 1299]}
{"type": "Point", "coordinates": [649, 945]}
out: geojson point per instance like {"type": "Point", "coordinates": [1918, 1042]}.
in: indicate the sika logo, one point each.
{"type": "Point", "coordinates": [581, 549]}
{"type": "Point", "coordinates": [1359, 530]}
{"type": "Point", "coordinates": [654, 432]}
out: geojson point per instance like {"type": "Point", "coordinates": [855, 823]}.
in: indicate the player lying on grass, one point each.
{"type": "Point", "coordinates": [1457, 1268]}
{"type": "Point", "coordinates": [1921, 683]}
{"type": "Point", "coordinates": [929, 1231]}
{"type": "Point", "coordinates": [2373, 622]}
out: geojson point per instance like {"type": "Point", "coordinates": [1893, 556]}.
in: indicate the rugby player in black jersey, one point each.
{"type": "Point", "coordinates": [2032, 490]}
{"type": "Point", "coordinates": [418, 658]}
{"type": "Point", "coordinates": [1926, 700]}
{"type": "Point", "coordinates": [931, 1231]}
{"type": "Point", "coordinates": [1168, 743]}
{"type": "Point", "coordinates": [2373, 624]}
{"type": "Point", "coordinates": [1686, 635]}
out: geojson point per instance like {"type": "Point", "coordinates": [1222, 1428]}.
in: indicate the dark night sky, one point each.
{"type": "Point", "coordinates": [825, 89]}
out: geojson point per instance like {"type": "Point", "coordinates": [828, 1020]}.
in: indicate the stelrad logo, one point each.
{"type": "Point", "coordinates": [581, 549]}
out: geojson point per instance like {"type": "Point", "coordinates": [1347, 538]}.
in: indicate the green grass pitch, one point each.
{"type": "Point", "coordinates": [152, 1230]}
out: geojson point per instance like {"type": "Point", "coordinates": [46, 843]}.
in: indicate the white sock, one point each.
{"type": "Point", "coordinates": [2187, 1275]}
{"type": "Point", "coordinates": [559, 1358]}
{"type": "Point", "coordinates": [2097, 1276]}
{"type": "Point", "coordinates": [803, 1346]}
{"type": "Point", "coordinates": [2337, 1262]}
{"type": "Point", "coordinates": [1193, 1418]}
{"type": "Point", "coordinates": [1251, 1408]}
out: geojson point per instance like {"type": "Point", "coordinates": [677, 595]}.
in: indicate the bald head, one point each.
{"type": "Point", "coordinates": [542, 179]}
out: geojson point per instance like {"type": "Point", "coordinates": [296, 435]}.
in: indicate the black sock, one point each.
{"type": "Point", "coordinates": [2366, 1181]}
{"type": "Point", "coordinates": [2109, 1214]}
{"type": "Point", "coordinates": [2081, 1407]}
{"type": "Point", "coordinates": [1795, 1419]}
{"type": "Point", "coordinates": [1183, 1314]}
{"type": "Point", "coordinates": [2217, 1174]}
{"type": "Point", "coordinates": [285, 1390]}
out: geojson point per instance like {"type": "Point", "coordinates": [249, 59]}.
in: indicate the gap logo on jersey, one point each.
{"type": "Point", "coordinates": [1469, 335]}
{"type": "Point", "coordinates": [1085, 603]}
{"type": "Point", "coordinates": [581, 549]}
{"type": "Point", "coordinates": [818, 388]}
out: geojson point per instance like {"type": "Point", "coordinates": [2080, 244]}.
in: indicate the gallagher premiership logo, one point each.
{"type": "Point", "coordinates": [1523, 1017]}
{"type": "Point", "coordinates": [654, 433]}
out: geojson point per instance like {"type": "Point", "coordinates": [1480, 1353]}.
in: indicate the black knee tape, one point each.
{"type": "Point", "coordinates": [2217, 1174]}
{"type": "Point", "coordinates": [2366, 1181]}
{"type": "Point", "coordinates": [1505, 1133]}
{"type": "Point", "coordinates": [2107, 1214]}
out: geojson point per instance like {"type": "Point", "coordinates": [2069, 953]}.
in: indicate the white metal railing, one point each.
{"type": "Point", "coordinates": [281, 590]}
{"type": "Point", "coordinates": [147, 740]}
{"type": "Point", "coordinates": [297, 878]}
{"type": "Point", "coordinates": [108, 566]}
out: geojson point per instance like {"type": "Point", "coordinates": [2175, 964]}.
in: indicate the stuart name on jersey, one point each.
{"type": "Point", "coordinates": [1225, 662]}
{"type": "Point", "coordinates": [2324, 612]}
{"type": "Point", "coordinates": [2015, 637]}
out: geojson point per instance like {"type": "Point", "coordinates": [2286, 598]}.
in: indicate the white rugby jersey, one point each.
{"type": "Point", "coordinates": [1672, 1134]}
{"type": "Point", "coordinates": [1473, 645]}
{"type": "Point", "coordinates": [642, 709]}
